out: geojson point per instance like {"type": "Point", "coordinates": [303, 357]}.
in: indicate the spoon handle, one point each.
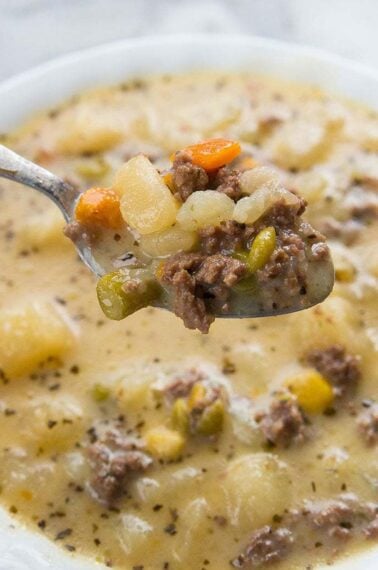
{"type": "Point", "coordinates": [17, 168]}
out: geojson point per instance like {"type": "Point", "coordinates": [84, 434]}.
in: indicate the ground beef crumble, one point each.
{"type": "Point", "coordinates": [341, 517]}
{"type": "Point", "coordinates": [113, 458]}
{"type": "Point", "coordinates": [283, 424]}
{"type": "Point", "coordinates": [227, 182]}
{"type": "Point", "coordinates": [225, 238]}
{"type": "Point", "coordinates": [265, 546]}
{"type": "Point", "coordinates": [367, 423]}
{"type": "Point", "coordinates": [187, 177]}
{"type": "Point", "coordinates": [339, 367]}
{"type": "Point", "coordinates": [199, 282]}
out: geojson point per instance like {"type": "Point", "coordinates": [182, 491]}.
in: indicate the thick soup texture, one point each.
{"type": "Point", "coordinates": [147, 446]}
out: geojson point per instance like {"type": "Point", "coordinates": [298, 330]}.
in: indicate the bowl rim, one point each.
{"type": "Point", "coordinates": [19, 545]}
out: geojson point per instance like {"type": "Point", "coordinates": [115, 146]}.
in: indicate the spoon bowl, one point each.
{"type": "Point", "coordinates": [243, 303]}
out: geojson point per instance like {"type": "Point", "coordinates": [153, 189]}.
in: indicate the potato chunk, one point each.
{"type": "Point", "coordinates": [251, 208]}
{"type": "Point", "coordinates": [54, 424]}
{"type": "Point", "coordinates": [167, 242]}
{"type": "Point", "coordinates": [147, 204]}
{"type": "Point", "coordinates": [85, 132]}
{"type": "Point", "coordinates": [205, 208]}
{"type": "Point", "coordinates": [30, 335]}
{"type": "Point", "coordinates": [256, 486]}
{"type": "Point", "coordinates": [44, 230]}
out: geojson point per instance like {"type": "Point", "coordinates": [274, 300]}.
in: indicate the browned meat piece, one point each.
{"type": "Point", "coordinates": [187, 305]}
{"type": "Point", "coordinates": [181, 385]}
{"type": "Point", "coordinates": [340, 517]}
{"type": "Point", "coordinates": [198, 283]}
{"type": "Point", "coordinates": [371, 531]}
{"type": "Point", "coordinates": [284, 424]}
{"type": "Point", "coordinates": [266, 546]}
{"type": "Point", "coordinates": [187, 177]}
{"type": "Point", "coordinates": [227, 182]}
{"type": "Point", "coordinates": [347, 232]}
{"type": "Point", "coordinates": [220, 269]}
{"type": "Point", "coordinates": [339, 367]}
{"type": "Point", "coordinates": [367, 423]}
{"type": "Point", "coordinates": [283, 215]}
{"type": "Point", "coordinates": [320, 251]}
{"type": "Point", "coordinates": [225, 238]}
{"type": "Point", "coordinates": [287, 264]}
{"type": "Point", "coordinates": [113, 458]}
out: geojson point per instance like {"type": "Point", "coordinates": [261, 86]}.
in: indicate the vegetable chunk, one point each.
{"type": "Point", "coordinates": [147, 204]}
{"type": "Point", "coordinates": [32, 334]}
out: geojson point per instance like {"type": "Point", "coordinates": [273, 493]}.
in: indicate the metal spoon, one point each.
{"type": "Point", "coordinates": [242, 304]}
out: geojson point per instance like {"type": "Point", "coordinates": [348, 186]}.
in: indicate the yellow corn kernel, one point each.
{"type": "Point", "coordinates": [262, 248]}
{"type": "Point", "coordinates": [168, 180]}
{"type": "Point", "coordinates": [313, 392]}
{"type": "Point", "coordinates": [180, 415]}
{"type": "Point", "coordinates": [197, 394]}
{"type": "Point", "coordinates": [345, 272]}
{"type": "Point", "coordinates": [212, 419]}
{"type": "Point", "coordinates": [164, 443]}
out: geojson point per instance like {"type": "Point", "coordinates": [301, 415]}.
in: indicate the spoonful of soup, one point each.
{"type": "Point", "coordinates": [214, 235]}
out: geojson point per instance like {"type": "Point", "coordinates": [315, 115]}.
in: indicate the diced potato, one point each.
{"type": "Point", "coordinates": [313, 392]}
{"type": "Point", "coordinates": [251, 208]}
{"type": "Point", "coordinates": [205, 208]}
{"type": "Point", "coordinates": [257, 486]}
{"type": "Point", "coordinates": [134, 389]}
{"type": "Point", "coordinates": [164, 443]}
{"type": "Point", "coordinates": [147, 204]}
{"type": "Point", "coordinates": [32, 334]}
{"type": "Point", "coordinates": [333, 322]}
{"type": "Point", "coordinates": [87, 133]}
{"type": "Point", "coordinates": [44, 230]}
{"type": "Point", "coordinates": [300, 144]}
{"type": "Point", "coordinates": [133, 533]}
{"type": "Point", "coordinates": [313, 185]}
{"type": "Point", "coordinates": [369, 137]}
{"type": "Point", "coordinates": [252, 179]}
{"type": "Point", "coordinates": [53, 424]}
{"type": "Point", "coordinates": [167, 242]}
{"type": "Point", "coordinates": [194, 520]}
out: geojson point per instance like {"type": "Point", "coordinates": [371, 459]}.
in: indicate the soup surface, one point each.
{"type": "Point", "coordinates": [148, 446]}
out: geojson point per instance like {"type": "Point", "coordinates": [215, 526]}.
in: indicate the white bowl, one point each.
{"type": "Point", "coordinates": [20, 548]}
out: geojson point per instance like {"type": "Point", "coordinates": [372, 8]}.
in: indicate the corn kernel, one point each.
{"type": "Point", "coordinates": [164, 443]}
{"type": "Point", "coordinates": [312, 390]}
{"type": "Point", "coordinates": [180, 415]}
{"type": "Point", "coordinates": [197, 394]}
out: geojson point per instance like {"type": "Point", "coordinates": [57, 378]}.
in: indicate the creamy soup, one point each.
{"type": "Point", "coordinates": [147, 446]}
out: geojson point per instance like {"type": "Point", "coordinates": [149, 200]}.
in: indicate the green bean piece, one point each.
{"type": "Point", "coordinates": [262, 248]}
{"type": "Point", "coordinates": [212, 419]}
{"type": "Point", "coordinates": [124, 292]}
{"type": "Point", "coordinates": [100, 393]}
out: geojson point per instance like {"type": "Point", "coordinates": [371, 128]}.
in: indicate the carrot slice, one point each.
{"type": "Point", "coordinates": [214, 153]}
{"type": "Point", "coordinates": [101, 207]}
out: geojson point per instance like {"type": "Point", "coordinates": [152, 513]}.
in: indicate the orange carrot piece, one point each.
{"type": "Point", "coordinates": [214, 153]}
{"type": "Point", "coordinates": [101, 207]}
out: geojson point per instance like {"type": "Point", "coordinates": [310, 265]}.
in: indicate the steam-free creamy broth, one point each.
{"type": "Point", "coordinates": [145, 445]}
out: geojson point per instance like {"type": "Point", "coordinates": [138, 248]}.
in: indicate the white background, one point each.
{"type": "Point", "coordinates": [32, 31]}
